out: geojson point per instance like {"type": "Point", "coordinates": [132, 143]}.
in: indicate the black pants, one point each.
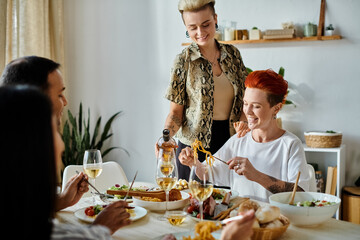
{"type": "Point", "coordinates": [219, 135]}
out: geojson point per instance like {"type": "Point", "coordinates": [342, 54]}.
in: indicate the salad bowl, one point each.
{"type": "Point", "coordinates": [309, 209]}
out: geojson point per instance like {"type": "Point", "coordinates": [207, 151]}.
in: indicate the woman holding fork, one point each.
{"type": "Point", "coordinates": [267, 159]}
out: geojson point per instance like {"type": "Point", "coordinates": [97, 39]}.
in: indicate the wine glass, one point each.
{"type": "Point", "coordinates": [166, 174]}
{"type": "Point", "coordinates": [92, 165]}
{"type": "Point", "coordinates": [201, 184]}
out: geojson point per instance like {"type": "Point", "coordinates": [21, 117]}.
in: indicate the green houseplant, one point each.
{"type": "Point", "coordinates": [77, 137]}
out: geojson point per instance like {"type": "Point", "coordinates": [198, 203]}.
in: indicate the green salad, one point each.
{"type": "Point", "coordinates": [314, 203]}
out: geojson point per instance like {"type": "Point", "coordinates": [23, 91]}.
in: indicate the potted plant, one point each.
{"type": "Point", "coordinates": [329, 30]}
{"type": "Point", "coordinates": [254, 34]}
{"type": "Point", "coordinates": [77, 137]}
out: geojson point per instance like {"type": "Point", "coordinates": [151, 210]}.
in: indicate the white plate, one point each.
{"type": "Point", "coordinates": [179, 235]}
{"type": "Point", "coordinates": [139, 213]}
{"type": "Point", "coordinates": [160, 206]}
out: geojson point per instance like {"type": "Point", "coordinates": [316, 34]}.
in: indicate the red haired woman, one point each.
{"type": "Point", "coordinates": [267, 159]}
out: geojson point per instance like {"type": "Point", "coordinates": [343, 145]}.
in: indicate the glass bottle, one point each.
{"type": "Point", "coordinates": [167, 145]}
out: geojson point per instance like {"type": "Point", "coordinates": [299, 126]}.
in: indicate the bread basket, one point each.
{"type": "Point", "coordinates": [271, 233]}
{"type": "Point", "coordinates": [318, 139]}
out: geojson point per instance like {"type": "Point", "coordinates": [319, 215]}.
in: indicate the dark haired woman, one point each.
{"type": "Point", "coordinates": [29, 147]}
{"type": "Point", "coordinates": [207, 84]}
{"type": "Point", "coordinates": [267, 159]}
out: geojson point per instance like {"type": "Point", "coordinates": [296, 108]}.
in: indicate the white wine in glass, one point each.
{"type": "Point", "coordinates": [92, 165]}
{"type": "Point", "coordinates": [201, 184]}
{"type": "Point", "coordinates": [166, 175]}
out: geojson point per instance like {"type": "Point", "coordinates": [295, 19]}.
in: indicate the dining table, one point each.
{"type": "Point", "coordinates": [150, 227]}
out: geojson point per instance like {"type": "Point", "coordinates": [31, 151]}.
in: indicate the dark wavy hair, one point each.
{"type": "Point", "coordinates": [28, 161]}
{"type": "Point", "coordinates": [31, 70]}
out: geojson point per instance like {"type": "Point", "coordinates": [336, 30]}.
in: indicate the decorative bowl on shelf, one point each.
{"type": "Point", "coordinates": [321, 139]}
{"type": "Point", "coordinates": [305, 216]}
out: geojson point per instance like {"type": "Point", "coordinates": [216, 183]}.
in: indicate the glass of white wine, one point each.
{"type": "Point", "coordinates": [92, 165]}
{"type": "Point", "coordinates": [166, 175]}
{"type": "Point", "coordinates": [201, 184]}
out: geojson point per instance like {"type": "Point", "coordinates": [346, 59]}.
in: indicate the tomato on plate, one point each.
{"type": "Point", "coordinates": [89, 211]}
{"type": "Point", "coordinates": [191, 208]}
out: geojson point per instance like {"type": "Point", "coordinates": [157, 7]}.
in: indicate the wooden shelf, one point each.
{"type": "Point", "coordinates": [297, 39]}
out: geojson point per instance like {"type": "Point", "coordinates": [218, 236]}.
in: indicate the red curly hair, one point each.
{"type": "Point", "coordinates": [269, 81]}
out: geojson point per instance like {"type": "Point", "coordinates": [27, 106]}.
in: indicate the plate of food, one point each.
{"type": "Point", "coordinates": [213, 210]}
{"type": "Point", "coordinates": [156, 204]}
{"type": "Point", "coordinates": [89, 214]}
{"type": "Point", "coordinates": [202, 230]}
{"type": "Point", "coordinates": [124, 188]}
{"type": "Point", "coordinates": [219, 193]}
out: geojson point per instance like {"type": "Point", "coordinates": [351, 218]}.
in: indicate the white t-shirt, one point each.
{"type": "Point", "coordinates": [281, 159]}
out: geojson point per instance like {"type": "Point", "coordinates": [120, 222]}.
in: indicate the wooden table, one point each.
{"type": "Point", "coordinates": [150, 227]}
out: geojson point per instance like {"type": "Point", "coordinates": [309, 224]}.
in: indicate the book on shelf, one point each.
{"type": "Point", "coordinates": [278, 36]}
{"type": "Point", "coordinates": [331, 180]}
{"type": "Point", "coordinates": [280, 32]}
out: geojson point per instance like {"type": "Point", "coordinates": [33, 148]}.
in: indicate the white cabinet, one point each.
{"type": "Point", "coordinates": [340, 156]}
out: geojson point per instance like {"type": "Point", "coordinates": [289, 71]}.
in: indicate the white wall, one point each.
{"type": "Point", "coordinates": [119, 54]}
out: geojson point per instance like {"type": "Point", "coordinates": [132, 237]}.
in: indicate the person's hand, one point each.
{"type": "Point", "coordinates": [239, 229]}
{"type": "Point", "coordinates": [186, 157]}
{"type": "Point", "coordinates": [243, 166]}
{"type": "Point", "coordinates": [73, 191]}
{"type": "Point", "coordinates": [114, 216]}
{"type": "Point", "coordinates": [241, 128]}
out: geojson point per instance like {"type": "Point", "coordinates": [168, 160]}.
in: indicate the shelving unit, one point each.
{"type": "Point", "coordinates": [297, 39]}
{"type": "Point", "coordinates": [340, 163]}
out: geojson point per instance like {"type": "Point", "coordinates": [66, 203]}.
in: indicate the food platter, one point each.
{"type": "Point", "coordinates": [179, 235]}
{"type": "Point", "coordinates": [160, 206]}
{"type": "Point", "coordinates": [223, 191]}
{"type": "Point", "coordinates": [139, 213]}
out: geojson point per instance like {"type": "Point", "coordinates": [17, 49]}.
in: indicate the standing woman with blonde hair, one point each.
{"type": "Point", "coordinates": [207, 85]}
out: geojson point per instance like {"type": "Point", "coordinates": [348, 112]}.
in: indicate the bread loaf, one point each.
{"type": "Point", "coordinates": [274, 224]}
{"type": "Point", "coordinates": [267, 214]}
{"type": "Point", "coordinates": [248, 205]}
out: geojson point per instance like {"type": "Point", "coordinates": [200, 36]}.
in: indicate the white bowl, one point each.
{"type": "Point", "coordinates": [160, 206]}
{"type": "Point", "coordinates": [305, 216]}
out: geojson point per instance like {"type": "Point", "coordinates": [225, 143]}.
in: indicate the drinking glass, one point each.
{"type": "Point", "coordinates": [92, 165]}
{"type": "Point", "coordinates": [166, 174]}
{"type": "Point", "coordinates": [201, 184]}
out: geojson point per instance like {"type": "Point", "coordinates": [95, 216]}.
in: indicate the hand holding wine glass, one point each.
{"type": "Point", "coordinates": [201, 184]}
{"type": "Point", "coordinates": [92, 164]}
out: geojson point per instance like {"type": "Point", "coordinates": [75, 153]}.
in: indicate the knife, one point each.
{"type": "Point", "coordinates": [223, 205]}
{"type": "Point", "coordinates": [127, 194]}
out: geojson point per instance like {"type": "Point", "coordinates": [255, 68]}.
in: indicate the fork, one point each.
{"type": "Point", "coordinates": [103, 196]}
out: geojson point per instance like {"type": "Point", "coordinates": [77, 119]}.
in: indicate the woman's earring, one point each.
{"type": "Point", "coordinates": [216, 27]}
{"type": "Point", "coordinates": [187, 34]}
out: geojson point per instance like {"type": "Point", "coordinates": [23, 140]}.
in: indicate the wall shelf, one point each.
{"type": "Point", "coordinates": [297, 39]}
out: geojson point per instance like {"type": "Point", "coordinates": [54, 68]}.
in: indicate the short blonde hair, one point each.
{"type": "Point", "coordinates": [195, 5]}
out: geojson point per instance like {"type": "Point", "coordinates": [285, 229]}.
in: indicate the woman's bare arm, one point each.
{"type": "Point", "coordinates": [175, 118]}
{"type": "Point", "coordinates": [275, 185]}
